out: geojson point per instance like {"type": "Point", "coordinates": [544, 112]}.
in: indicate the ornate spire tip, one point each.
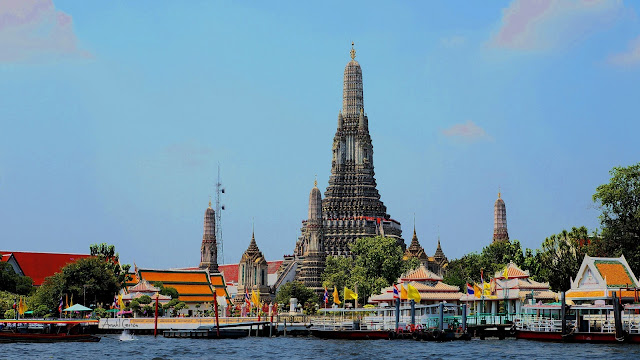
{"type": "Point", "coordinates": [353, 52]}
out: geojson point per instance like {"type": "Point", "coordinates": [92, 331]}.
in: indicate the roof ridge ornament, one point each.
{"type": "Point", "coordinates": [352, 52]}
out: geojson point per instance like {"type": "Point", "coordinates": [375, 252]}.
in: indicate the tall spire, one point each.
{"type": "Point", "coordinates": [500, 232]}
{"type": "Point", "coordinates": [352, 99]}
{"type": "Point", "coordinates": [209, 248]}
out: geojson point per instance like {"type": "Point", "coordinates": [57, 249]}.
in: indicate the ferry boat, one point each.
{"type": "Point", "coordinates": [592, 323]}
{"type": "Point", "coordinates": [45, 331]}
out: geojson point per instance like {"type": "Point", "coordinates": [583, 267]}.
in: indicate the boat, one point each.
{"type": "Point", "coordinates": [41, 331]}
{"type": "Point", "coordinates": [352, 334]}
{"type": "Point", "coordinates": [584, 323]}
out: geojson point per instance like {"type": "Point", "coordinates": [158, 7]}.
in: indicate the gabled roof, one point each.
{"type": "Point", "coordinates": [192, 285]}
{"type": "Point", "coordinates": [420, 274]}
{"type": "Point", "coordinates": [39, 265]}
{"type": "Point", "coordinates": [513, 271]}
{"type": "Point", "coordinates": [601, 273]}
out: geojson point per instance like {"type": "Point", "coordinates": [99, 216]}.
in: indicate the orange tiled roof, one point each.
{"type": "Point", "coordinates": [420, 274]}
{"type": "Point", "coordinates": [196, 298]}
{"type": "Point", "coordinates": [530, 284]}
{"type": "Point", "coordinates": [170, 276]}
{"type": "Point", "coordinates": [539, 295]}
{"type": "Point", "coordinates": [440, 296]}
{"type": "Point", "coordinates": [438, 287]}
{"type": "Point", "coordinates": [39, 265]}
{"type": "Point", "coordinates": [513, 271]}
{"type": "Point", "coordinates": [614, 272]}
{"type": "Point", "coordinates": [585, 294]}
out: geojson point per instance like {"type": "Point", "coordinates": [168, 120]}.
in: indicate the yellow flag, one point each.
{"type": "Point", "coordinates": [486, 288]}
{"type": "Point", "coordinates": [477, 291]}
{"type": "Point", "coordinates": [22, 307]}
{"type": "Point", "coordinates": [403, 292]}
{"type": "Point", "coordinates": [349, 295]}
{"type": "Point", "coordinates": [413, 293]}
{"type": "Point", "coordinates": [505, 272]}
{"type": "Point", "coordinates": [120, 302]}
{"type": "Point", "coordinates": [255, 298]}
{"type": "Point", "coordinates": [336, 296]}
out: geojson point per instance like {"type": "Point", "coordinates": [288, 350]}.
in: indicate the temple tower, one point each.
{"type": "Point", "coordinates": [252, 272]}
{"type": "Point", "coordinates": [313, 244]}
{"type": "Point", "coordinates": [352, 207]}
{"type": "Point", "coordinates": [415, 249]}
{"type": "Point", "coordinates": [500, 220]}
{"type": "Point", "coordinates": [209, 248]}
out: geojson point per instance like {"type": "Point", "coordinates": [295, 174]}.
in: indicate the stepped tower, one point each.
{"type": "Point", "coordinates": [500, 220]}
{"type": "Point", "coordinates": [352, 207]}
{"type": "Point", "coordinates": [313, 244]}
{"type": "Point", "coordinates": [209, 248]}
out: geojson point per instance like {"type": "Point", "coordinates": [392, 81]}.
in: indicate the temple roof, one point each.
{"type": "Point", "coordinates": [253, 253]}
{"type": "Point", "coordinates": [39, 265]}
{"type": "Point", "coordinates": [192, 285]}
{"type": "Point", "coordinates": [513, 271]}
{"type": "Point", "coordinates": [415, 249]}
{"type": "Point", "coordinates": [420, 274]}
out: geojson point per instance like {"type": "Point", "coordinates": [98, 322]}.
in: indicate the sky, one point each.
{"type": "Point", "coordinates": [115, 115]}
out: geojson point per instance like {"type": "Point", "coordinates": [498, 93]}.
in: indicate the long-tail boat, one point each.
{"type": "Point", "coordinates": [46, 331]}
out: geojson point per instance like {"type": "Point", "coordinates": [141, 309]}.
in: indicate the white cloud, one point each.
{"type": "Point", "coordinates": [468, 132]}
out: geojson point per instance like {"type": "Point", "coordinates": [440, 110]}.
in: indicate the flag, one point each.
{"type": "Point", "coordinates": [349, 295]}
{"type": "Point", "coordinates": [403, 292]}
{"type": "Point", "coordinates": [120, 302]}
{"type": "Point", "coordinates": [15, 304]}
{"type": "Point", "coordinates": [71, 303]}
{"type": "Point", "coordinates": [469, 289]}
{"type": "Point", "coordinates": [325, 299]}
{"type": "Point", "coordinates": [61, 304]}
{"type": "Point", "coordinates": [486, 289]}
{"type": "Point", "coordinates": [246, 298]}
{"type": "Point", "coordinates": [275, 308]}
{"type": "Point", "coordinates": [255, 298]}
{"type": "Point", "coordinates": [396, 292]}
{"type": "Point", "coordinates": [66, 301]}
{"type": "Point", "coordinates": [493, 286]}
{"type": "Point", "coordinates": [482, 276]}
{"type": "Point", "coordinates": [413, 294]}
{"type": "Point", "coordinates": [477, 290]}
{"type": "Point", "coordinates": [113, 306]}
{"type": "Point", "coordinates": [336, 296]}
{"type": "Point", "coordinates": [505, 272]}
{"type": "Point", "coordinates": [22, 307]}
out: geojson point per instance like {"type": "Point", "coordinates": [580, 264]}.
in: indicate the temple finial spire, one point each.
{"type": "Point", "coordinates": [353, 52]}
{"type": "Point", "coordinates": [315, 182]}
{"type": "Point", "coordinates": [209, 201]}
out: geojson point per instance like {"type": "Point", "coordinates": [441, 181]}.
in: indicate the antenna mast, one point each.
{"type": "Point", "coordinates": [219, 208]}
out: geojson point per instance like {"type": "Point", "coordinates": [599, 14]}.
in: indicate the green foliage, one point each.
{"type": "Point", "coordinates": [40, 311]}
{"type": "Point", "coordinates": [12, 282]}
{"type": "Point", "coordinates": [148, 310]}
{"type": "Point", "coordinates": [561, 257]}
{"type": "Point", "coordinates": [10, 314]}
{"type": "Point", "coordinates": [619, 202]}
{"type": "Point", "coordinates": [295, 289]}
{"type": "Point", "coordinates": [134, 305]}
{"type": "Point", "coordinates": [179, 306]}
{"type": "Point", "coordinates": [144, 299]}
{"type": "Point", "coordinates": [166, 290]}
{"type": "Point", "coordinates": [100, 312]}
{"type": "Point", "coordinates": [112, 260]}
{"type": "Point", "coordinates": [376, 263]}
{"type": "Point", "coordinates": [98, 277]}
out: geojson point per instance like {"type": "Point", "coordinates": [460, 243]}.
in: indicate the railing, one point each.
{"type": "Point", "coordinates": [284, 274]}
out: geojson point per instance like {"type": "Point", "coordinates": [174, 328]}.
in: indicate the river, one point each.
{"type": "Point", "coordinates": [146, 347]}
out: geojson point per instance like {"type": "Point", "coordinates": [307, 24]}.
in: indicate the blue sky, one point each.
{"type": "Point", "coordinates": [114, 116]}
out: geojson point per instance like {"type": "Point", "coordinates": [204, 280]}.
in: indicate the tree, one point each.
{"type": "Point", "coordinates": [295, 289]}
{"type": "Point", "coordinates": [619, 201]}
{"type": "Point", "coordinates": [166, 290]}
{"type": "Point", "coordinates": [112, 259]}
{"type": "Point", "coordinates": [144, 299]}
{"type": "Point", "coordinates": [561, 257]}
{"type": "Point", "coordinates": [376, 263]}
{"type": "Point", "coordinates": [12, 282]}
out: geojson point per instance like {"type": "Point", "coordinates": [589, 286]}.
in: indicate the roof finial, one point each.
{"type": "Point", "coordinates": [209, 201]}
{"type": "Point", "coordinates": [315, 182]}
{"type": "Point", "coordinates": [353, 52]}
{"type": "Point", "coordinates": [499, 192]}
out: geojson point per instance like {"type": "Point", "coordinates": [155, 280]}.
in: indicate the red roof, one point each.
{"type": "Point", "coordinates": [38, 266]}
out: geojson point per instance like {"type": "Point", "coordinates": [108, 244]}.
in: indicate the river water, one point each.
{"type": "Point", "coordinates": [146, 347]}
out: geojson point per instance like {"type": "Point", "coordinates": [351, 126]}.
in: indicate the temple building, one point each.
{"type": "Point", "coordinates": [312, 244]}
{"type": "Point", "coordinates": [437, 263]}
{"type": "Point", "coordinates": [252, 276]}
{"type": "Point", "coordinates": [209, 248]}
{"type": "Point", "coordinates": [430, 286]}
{"type": "Point", "coordinates": [500, 220]}
{"type": "Point", "coordinates": [599, 277]}
{"type": "Point", "coordinates": [352, 207]}
{"type": "Point", "coordinates": [38, 265]}
{"type": "Point", "coordinates": [512, 287]}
